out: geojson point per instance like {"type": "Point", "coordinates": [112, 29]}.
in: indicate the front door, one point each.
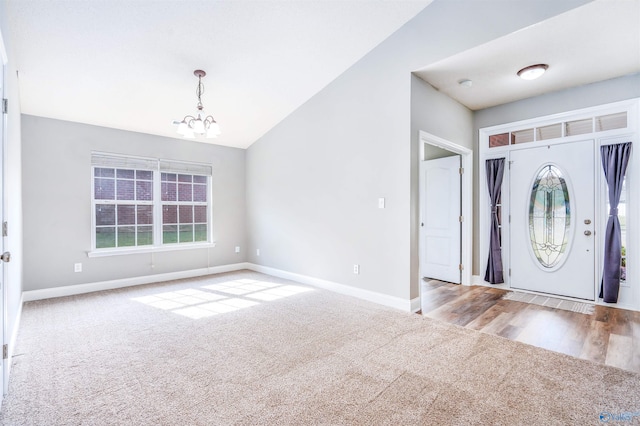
{"type": "Point", "coordinates": [552, 211]}
{"type": "Point", "coordinates": [440, 219]}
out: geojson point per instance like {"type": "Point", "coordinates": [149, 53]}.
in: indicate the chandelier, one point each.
{"type": "Point", "coordinates": [200, 123]}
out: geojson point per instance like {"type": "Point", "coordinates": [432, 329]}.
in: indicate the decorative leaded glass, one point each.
{"type": "Point", "coordinates": [549, 216]}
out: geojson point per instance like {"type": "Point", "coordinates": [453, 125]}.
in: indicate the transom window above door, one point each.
{"type": "Point", "coordinates": [561, 129]}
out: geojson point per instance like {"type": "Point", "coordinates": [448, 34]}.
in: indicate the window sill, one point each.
{"type": "Point", "coordinates": [155, 249]}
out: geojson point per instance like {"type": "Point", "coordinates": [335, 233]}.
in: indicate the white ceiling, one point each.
{"type": "Point", "coordinates": [129, 64]}
{"type": "Point", "coordinates": [595, 42]}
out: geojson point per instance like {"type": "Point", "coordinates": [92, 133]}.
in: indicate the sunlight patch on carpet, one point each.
{"type": "Point", "coordinates": [220, 298]}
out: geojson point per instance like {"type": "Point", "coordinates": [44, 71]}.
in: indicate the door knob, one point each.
{"type": "Point", "coordinates": [6, 257]}
{"type": "Point", "coordinates": [587, 233]}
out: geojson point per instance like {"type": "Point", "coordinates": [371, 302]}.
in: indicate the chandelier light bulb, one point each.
{"type": "Point", "coordinates": [215, 128]}
{"type": "Point", "coordinates": [183, 128]}
{"type": "Point", "coordinates": [213, 131]}
{"type": "Point", "coordinates": [198, 126]}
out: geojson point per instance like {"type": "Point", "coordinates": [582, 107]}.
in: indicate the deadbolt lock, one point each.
{"type": "Point", "coordinates": [587, 222]}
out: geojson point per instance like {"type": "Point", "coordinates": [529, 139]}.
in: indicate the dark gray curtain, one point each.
{"type": "Point", "coordinates": [495, 172]}
{"type": "Point", "coordinates": [614, 162]}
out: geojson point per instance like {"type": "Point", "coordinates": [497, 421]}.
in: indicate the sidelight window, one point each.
{"type": "Point", "coordinates": [622, 218]}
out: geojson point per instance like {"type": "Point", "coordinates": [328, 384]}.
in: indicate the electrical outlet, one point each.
{"type": "Point", "coordinates": [257, 252]}
{"type": "Point", "coordinates": [237, 249]}
{"type": "Point", "coordinates": [381, 203]}
{"type": "Point", "coordinates": [356, 269]}
{"type": "Point", "coordinates": [77, 267]}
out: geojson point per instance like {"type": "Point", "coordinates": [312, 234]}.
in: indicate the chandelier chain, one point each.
{"type": "Point", "coordinates": [200, 91]}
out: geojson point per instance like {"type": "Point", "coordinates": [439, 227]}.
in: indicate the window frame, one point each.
{"type": "Point", "coordinates": [178, 203]}
{"type": "Point", "coordinates": [157, 167]}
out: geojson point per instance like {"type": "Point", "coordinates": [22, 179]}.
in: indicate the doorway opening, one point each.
{"type": "Point", "coordinates": [466, 201]}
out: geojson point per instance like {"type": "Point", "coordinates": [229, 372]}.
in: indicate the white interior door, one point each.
{"type": "Point", "coordinates": [440, 219]}
{"type": "Point", "coordinates": [552, 213]}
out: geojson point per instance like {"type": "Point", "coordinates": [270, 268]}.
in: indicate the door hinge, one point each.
{"type": "Point", "coordinates": [5, 105]}
{"type": "Point", "coordinates": [509, 218]}
{"type": "Point", "coordinates": [509, 271]}
{"type": "Point", "coordinates": [461, 218]}
{"type": "Point", "coordinates": [5, 351]}
{"type": "Point", "coordinates": [461, 170]}
{"type": "Point", "coordinates": [5, 229]}
{"type": "Point", "coordinates": [460, 267]}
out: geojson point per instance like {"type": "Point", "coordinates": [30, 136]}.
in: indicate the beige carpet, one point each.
{"type": "Point", "coordinates": [245, 349]}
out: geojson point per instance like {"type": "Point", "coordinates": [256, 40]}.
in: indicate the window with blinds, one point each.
{"type": "Point", "coordinates": [583, 126]}
{"type": "Point", "coordinates": [144, 202]}
{"type": "Point", "coordinates": [184, 208]}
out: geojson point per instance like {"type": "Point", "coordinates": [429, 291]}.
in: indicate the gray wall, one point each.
{"type": "Point", "coordinates": [618, 89]}
{"type": "Point", "coordinates": [13, 187]}
{"type": "Point", "coordinates": [57, 203]}
{"type": "Point", "coordinates": [588, 95]}
{"type": "Point", "coordinates": [313, 181]}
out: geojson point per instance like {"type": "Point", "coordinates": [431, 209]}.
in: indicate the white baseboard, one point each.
{"type": "Point", "coordinates": [412, 305]}
{"type": "Point", "coordinates": [415, 304]}
{"type": "Point", "coordinates": [71, 290]}
{"type": "Point", "coordinates": [371, 296]}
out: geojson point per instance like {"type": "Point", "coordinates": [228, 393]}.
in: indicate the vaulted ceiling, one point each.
{"type": "Point", "coordinates": [129, 64]}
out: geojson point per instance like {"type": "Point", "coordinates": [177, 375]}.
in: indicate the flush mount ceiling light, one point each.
{"type": "Point", "coordinates": [532, 71]}
{"type": "Point", "coordinates": [200, 123]}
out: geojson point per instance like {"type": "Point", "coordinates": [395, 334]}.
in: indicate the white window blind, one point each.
{"type": "Point", "coordinates": [99, 159]}
{"type": "Point", "coordinates": [579, 127]}
{"type": "Point", "coordinates": [168, 166]}
{"type": "Point", "coordinates": [611, 121]}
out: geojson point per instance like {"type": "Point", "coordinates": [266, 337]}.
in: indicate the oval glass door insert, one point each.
{"type": "Point", "coordinates": [549, 216]}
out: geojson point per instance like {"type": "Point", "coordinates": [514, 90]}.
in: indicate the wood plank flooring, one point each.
{"type": "Point", "coordinates": [609, 336]}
